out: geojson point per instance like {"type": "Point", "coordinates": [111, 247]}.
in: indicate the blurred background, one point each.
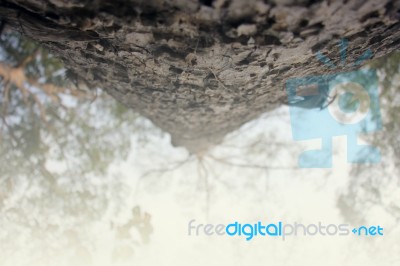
{"type": "Point", "coordinates": [85, 181]}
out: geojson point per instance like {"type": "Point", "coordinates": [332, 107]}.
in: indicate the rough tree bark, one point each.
{"type": "Point", "coordinates": [201, 68]}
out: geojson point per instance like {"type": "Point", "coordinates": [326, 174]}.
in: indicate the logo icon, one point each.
{"type": "Point", "coordinates": [338, 104]}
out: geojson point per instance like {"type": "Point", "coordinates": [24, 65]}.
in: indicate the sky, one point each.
{"type": "Point", "coordinates": [173, 198]}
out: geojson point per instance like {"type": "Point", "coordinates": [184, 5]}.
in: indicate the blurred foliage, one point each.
{"type": "Point", "coordinates": [81, 131]}
{"type": "Point", "coordinates": [390, 100]}
{"type": "Point", "coordinates": [57, 141]}
{"type": "Point", "coordinates": [373, 186]}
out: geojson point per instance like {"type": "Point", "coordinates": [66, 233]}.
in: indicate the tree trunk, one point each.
{"type": "Point", "coordinates": [200, 69]}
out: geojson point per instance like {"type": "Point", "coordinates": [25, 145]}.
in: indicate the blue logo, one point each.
{"type": "Point", "coordinates": [280, 229]}
{"type": "Point", "coordinates": [325, 106]}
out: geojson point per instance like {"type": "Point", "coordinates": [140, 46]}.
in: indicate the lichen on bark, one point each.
{"type": "Point", "coordinates": [201, 69]}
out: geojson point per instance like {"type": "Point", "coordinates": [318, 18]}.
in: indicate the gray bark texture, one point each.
{"type": "Point", "coordinates": [199, 69]}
